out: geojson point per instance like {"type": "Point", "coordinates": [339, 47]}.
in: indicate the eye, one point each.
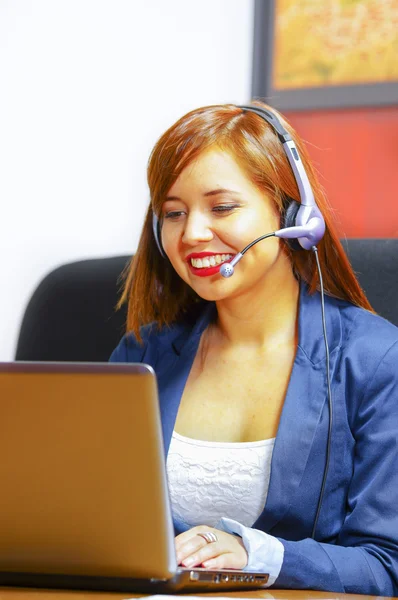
{"type": "Point", "coordinates": [224, 208]}
{"type": "Point", "coordinates": [173, 215]}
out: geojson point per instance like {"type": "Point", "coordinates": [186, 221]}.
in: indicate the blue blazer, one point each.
{"type": "Point", "coordinates": [355, 549]}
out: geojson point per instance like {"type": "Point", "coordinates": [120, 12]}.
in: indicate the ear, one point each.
{"type": "Point", "coordinates": [288, 219]}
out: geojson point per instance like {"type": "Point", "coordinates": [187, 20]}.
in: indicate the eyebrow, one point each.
{"type": "Point", "coordinates": [215, 192]}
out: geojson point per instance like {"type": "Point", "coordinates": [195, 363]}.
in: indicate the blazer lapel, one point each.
{"type": "Point", "coordinates": [304, 402]}
{"type": "Point", "coordinates": [172, 373]}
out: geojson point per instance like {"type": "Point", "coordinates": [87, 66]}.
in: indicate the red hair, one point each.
{"type": "Point", "coordinates": [153, 290]}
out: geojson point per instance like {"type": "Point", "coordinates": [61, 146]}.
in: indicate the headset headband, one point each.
{"type": "Point", "coordinates": [300, 214]}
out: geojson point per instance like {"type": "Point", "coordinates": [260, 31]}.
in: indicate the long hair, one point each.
{"type": "Point", "coordinates": [153, 290]}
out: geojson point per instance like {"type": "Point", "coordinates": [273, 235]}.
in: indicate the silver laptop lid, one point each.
{"type": "Point", "coordinates": [82, 471]}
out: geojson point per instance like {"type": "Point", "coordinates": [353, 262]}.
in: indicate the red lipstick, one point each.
{"type": "Point", "coordinates": [204, 254]}
{"type": "Point", "coordinates": [205, 271]}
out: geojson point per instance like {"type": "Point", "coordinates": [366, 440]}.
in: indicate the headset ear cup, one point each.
{"type": "Point", "coordinates": [157, 233]}
{"type": "Point", "coordinates": [159, 239]}
{"type": "Point", "coordinates": [288, 219]}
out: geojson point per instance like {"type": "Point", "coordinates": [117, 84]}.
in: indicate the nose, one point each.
{"type": "Point", "coordinates": [197, 229]}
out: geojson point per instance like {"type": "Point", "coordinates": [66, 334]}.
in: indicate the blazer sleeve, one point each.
{"type": "Point", "coordinates": [364, 559]}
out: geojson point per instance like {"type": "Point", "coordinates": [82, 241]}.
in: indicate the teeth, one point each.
{"type": "Point", "coordinates": [210, 261]}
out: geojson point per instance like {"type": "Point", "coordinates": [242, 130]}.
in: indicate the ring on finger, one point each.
{"type": "Point", "coordinates": [209, 536]}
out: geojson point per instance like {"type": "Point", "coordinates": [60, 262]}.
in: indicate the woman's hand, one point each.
{"type": "Point", "coordinates": [228, 552]}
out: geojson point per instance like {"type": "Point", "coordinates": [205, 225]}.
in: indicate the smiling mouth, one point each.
{"type": "Point", "coordinates": [210, 261]}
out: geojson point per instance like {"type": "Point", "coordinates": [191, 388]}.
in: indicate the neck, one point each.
{"type": "Point", "coordinates": [262, 316]}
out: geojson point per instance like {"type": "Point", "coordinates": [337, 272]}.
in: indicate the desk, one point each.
{"type": "Point", "coordinates": [30, 594]}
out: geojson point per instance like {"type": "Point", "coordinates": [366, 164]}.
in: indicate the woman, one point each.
{"type": "Point", "coordinates": [256, 480]}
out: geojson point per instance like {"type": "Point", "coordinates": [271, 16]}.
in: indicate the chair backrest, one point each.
{"type": "Point", "coordinates": [375, 262]}
{"type": "Point", "coordinates": [71, 315]}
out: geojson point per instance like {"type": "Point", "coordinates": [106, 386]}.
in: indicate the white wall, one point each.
{"type": "Point", "coordinates": [86, 88]}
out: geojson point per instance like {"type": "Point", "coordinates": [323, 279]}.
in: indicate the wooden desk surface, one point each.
{"type": "Point", "coordinates": [30, 594]}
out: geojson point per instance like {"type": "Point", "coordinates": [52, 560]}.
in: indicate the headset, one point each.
{"type": "Point", "coordinates": [303, 223]}
{"type": "Point", "coordinates": [303, 228]}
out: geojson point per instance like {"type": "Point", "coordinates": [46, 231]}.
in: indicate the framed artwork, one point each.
{"type": "Point", "coordinates": [311, 54]}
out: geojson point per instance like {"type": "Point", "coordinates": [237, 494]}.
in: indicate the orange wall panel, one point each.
{"type": "Point", "coordinates": [356, 154]}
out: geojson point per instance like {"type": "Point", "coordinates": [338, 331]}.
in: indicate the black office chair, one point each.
{"type": "Point", "coordinates": [375, 262]}
{"type": "Point", "coordinates": [71, 315]}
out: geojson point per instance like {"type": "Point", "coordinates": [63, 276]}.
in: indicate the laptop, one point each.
{"type": "Point", "coordinates": [84, 501]}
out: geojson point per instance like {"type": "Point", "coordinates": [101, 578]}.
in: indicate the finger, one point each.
{"type": "Point", "coordinates": [205, 553]}
{"type": "Point", "coordinates": [180, 542]}
{"type": "Point", "coordinates": [191, 536]}
{"type": "Point", "coordinates": [227, 560]}
{"type": "Point", "coordinates": [191, 547]}
{"type": "Point", "coordinates": [186, 535]}
{"type": "Point", "coordinates": [218, 562]}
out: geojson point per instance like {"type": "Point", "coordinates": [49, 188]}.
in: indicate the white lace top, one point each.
{"type": "Point", "coordinates": [210, 480]}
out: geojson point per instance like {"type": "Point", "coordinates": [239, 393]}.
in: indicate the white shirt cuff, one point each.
{"type": "Point", "coordinates": [265, 552]}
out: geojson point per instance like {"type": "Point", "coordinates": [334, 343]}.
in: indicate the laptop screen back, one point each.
{"type": "Point", "coordinates": [83, 487]}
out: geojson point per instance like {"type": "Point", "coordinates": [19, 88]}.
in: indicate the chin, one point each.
{"type": "Point", "coordinates": [212, 292]}
{"type": "Point", "coordinates": [212, 289]}
{"type": "Point", "coordinates": [210, 297]}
